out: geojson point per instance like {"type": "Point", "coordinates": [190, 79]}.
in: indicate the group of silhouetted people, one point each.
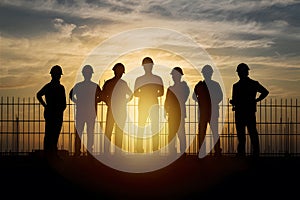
{"type": "Point", "coordinates": [148, 88]}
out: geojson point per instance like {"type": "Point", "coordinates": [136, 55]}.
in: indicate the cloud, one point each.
{"type": "Point", "coordinates": [40, 33]}
{"type": "Point", "coordinates": [64, 29]}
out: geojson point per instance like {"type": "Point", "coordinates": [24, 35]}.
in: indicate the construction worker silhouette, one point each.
{"type": "Point", "coordinates": [54, 106]}
{"type": "Point", "coordinates": [148, 88]}
{"type": "Point", "coordinates": [244, 101]}
{"type": "Point", "coordinates": [116, 95]}
{"type": "Point", "coordinates": [209, 95]}
{"type": "Point", "coordinates": [86, 95]}
{"type": "Point", "coordinates": [176, 97]}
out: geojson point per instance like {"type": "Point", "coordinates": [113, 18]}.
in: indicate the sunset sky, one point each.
{"type": "Point", "coordinates": [35, 35]}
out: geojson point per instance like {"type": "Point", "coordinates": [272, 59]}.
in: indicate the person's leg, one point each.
{"type": "Point", "coordinates": [181, 135]}
{"type": "Point", "coordinates": [241, 134]}
{"type": "Point", "coordinates": [202, 126]}
{"type": "Point", "coordinates": [58, 126]}
{"type": "Point", "coordinates": [79, 124]}
{"type": "Point", "coordinates": [108, 130]}
{"type": "Point", "coordinates": [172, 130]}
{"type": "Point", "coordinates": [52, 131]}
{"type": "Point", "coordinates": [119, 126]}
{"type": "Point", "coordinates": [216, 137]}
{"type": "Point", "coordinates": [142, 118]}
{"type": "Point", "coordinates": [251, 125]}
{"type": "Point", "coordinates": [90, 128]}
{"type": "Point", "coordinates": [47, 137]}
{"type": "Point", "coordinates": [154, 117]}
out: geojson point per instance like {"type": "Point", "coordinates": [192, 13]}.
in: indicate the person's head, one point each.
{"type": "Point", "coordinates": [207, 72]}
{"type": "Point", "coordinates": [242, 70]}
{"type": "Point", "coordinates": [147, 64]}
{"type": "Point", "coordinates": [56, 72]}
{"type": "Point", "coordinates": [87, 72]}
{"type": "Point", "coordinates": [176, 74]}
{"type": "Point", "coordinates": [119, 70]}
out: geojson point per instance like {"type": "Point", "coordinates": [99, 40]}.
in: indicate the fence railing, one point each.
{"type": "Point", "coordinates": [22, 127]}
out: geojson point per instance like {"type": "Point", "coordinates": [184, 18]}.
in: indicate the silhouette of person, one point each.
{"type": "Point", "coordinates": [54, 106]}
{"type": "Point", "coordinates": [86, 95]}
{"type": "Point", "coordinates": [116, 95]}
{"type": "Point", "coordinates": [244, 101]}
{"type": "Point", "coordinates": [209, 94]}
{"type": "Point", "coordinates": [148, 88]}
{"type": "Point", "coordinates": [176, 98]}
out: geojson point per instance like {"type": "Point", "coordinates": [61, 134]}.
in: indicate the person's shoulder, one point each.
{"type": "Point", "coordinates": [184, 84]}
{"type": "Point", "coordinates": [236, 83]}
{"type": "Point", "coordinates": [199, 84]}
{"type": "Point", "coordinates": [253, 82]}
{"type": "Point", "coordinates": [78, 84]}
{"type": "Point", "coordinates": [215, 82]}
{"type": "Point", "coordinates": [95, 84]}
{"type": "Point", "coordinates": [156, 76]}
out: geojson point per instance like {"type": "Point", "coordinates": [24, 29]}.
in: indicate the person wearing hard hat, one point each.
{"type": "Point", "coordinates": [54, 104]}
{"type": "Point", "coordinates": [116, 94]}
{"type": "Point", "coordinates": [209, 94]}
{"type": "Point", "coordinates": [244, 99]}
{"type": "Point", "coordinates": [86, 95]}
{"type": "Point", "coordinates": [148, 88]}
{"type": "Point", "coordinates": [176, 97]}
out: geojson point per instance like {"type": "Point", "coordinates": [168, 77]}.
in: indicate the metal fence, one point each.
{"type": "Point", "coordinates": [22, 128]}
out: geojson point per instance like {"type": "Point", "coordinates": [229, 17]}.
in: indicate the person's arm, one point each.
{"type": "Point", "coordinates": [39, 96]}
{"type": "Point", "coordinates": [129, 93]}
{"type": "Point", "coordinates": [233, 98]}
{"type": "Point", "coordinates": [196, 94]}
{"type": "Point", "coordinates": [160, 89]}
{"type": "Point", "coordinates": [98, 94]}
{"type": "Point", "coordinates": [104, 92]}
{"type": "Point", "coordinates": [186, 92]}
{"type": "Point", "coordinates": [64, 106]}
{"type": "Point", "coordinates": [166, 104]}
{"type": "Point", "coordinates": [220, 94]}
{"type": "Point", "coordinates": [136, 90]}
{"type": "Point", "coordinates": [263, 92]}
{"type": "Point", "coordinates": [72, 95]}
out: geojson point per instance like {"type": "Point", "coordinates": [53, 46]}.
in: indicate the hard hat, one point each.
{"type": "Point", "coordinates": [242, 67]}
{"type": "Point", "coordinates": [87, 69]}
{"type": "Point", "coordinates": [147, 60]}
{"type": "Point", "coordinates": [207, 69]}
{"type": "Point", "coordinates": [56, 69]}
{"type": "Point", "coordinates": [177, 70]}
{"type": "Point", "coordinates": [119, 67]}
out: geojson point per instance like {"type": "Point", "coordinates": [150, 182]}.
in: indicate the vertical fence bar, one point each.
{"type": "Point", "coordinates": [297, 123]}
{"type": "Point", "coordinates": [1, 127]}
{"type": "Point", "coordinates": [33, 123]}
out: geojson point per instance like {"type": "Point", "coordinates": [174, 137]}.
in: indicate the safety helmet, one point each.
{"type": "Point", "coordinates": [242, 67]}
{"type": "Point", "coordinates": [87, 69]}
{"type": "Point", "coordinates": [147, 60]}
{"type": "Point", "coordinates": [119, 67]}
{"type": "Point", "coordinates": [207, 69]}
{"type": "Point", "coordinates": [56, 69]}
{"type": "Point", "coordinates": [177, 70]}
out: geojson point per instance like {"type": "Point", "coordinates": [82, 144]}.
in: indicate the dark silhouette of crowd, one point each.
{"type": "Point", "coordinates": [148, 88]}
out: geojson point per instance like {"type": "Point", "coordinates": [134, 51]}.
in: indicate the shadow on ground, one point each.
{"type": "Point", "coordinates": [31, 177]}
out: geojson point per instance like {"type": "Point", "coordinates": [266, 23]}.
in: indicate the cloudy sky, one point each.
{"type": "Point", "coordinates": [35, 35]}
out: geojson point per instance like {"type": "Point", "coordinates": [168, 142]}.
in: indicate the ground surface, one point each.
{"type": "Point", "coordinates": [30, 177]}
